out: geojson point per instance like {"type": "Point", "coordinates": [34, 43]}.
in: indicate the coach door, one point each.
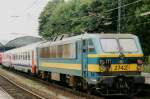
{"type": "Point", "coordinates": [84, 58]}
{"type": "Point", "coordinates": [33, 63]}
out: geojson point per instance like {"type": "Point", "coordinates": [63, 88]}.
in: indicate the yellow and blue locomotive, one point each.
{"type": "Point", "coordinates": [108, 63]}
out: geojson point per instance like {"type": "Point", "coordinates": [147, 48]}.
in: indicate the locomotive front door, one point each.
{"type": "Point", "coordinates": [84, 58]}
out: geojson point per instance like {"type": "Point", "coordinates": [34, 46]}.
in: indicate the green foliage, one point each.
{"type": "Point", "coordinates": [76, 16]}
{"type": "Point", "coordinates": [73, 16]}
{"type": "Point", "coordinates": [139, 25]}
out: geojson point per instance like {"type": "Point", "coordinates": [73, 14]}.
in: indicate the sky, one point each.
{"type": "Point", "coordinates": [19, 18]}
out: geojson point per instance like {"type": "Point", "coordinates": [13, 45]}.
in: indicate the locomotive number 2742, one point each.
{"type": "Point", "coordinates": [121, 67]}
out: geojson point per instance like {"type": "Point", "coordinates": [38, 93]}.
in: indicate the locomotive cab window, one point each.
{"type": "Point", "coordinates": [109, 45]}
{"type": "Point", "coordinates": [128, 45]}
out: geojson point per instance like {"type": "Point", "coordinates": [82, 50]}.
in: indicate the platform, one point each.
{"type": "Point", "coordinates": [147, 77]}
{"type": "Point", "coordinates": [4, 95]}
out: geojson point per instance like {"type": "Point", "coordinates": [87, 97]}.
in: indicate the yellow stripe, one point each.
{"type": "Point", "coordinates": [91, 67]}
{"type": "Point", "coordinates": [113, 55]}
{"type": "Point", "coordinates": [61, 65]}
{"type": "Point", "coordinates": [97, 68]}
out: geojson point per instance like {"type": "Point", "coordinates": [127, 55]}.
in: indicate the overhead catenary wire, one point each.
{"type": "Point", "coordinates": [122, 6]}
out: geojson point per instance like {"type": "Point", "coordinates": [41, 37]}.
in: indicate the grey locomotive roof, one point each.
{"type": "Point", "coordinates": [85, 36]}
{"type": "Point", "coordinates": [117, 35]}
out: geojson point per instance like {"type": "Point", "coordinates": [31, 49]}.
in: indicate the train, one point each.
{"type": "Point", "coordinates": [110, 64]}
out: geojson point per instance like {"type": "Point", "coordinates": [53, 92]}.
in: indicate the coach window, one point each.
{"type": "Point", "coordinates": [19, 56]}
{"type": "Point", "coordinates": [23, 56]}
{"type": "Point", "coordinates": [13, 56]}
{"type": "Point", "coordinates": [28, 55]}
{"type": "Point", "coordinates": [16, 57]}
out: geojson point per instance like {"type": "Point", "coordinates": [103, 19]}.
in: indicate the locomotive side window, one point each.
{"type": "Point", "coordinates": [50, 52]}
{"type": "Point", "coordinates": [66, 51]}
{"type": "Point", "coordinates": [53, 52]}
{"type": "Point", "coordinates": [59, 51]}
{"type": "Point", "coordinates": [69, 50]}
{"type": "Point", "coordinates": [46, 52]}
{"type": "Point", "coordinates": [109, 45]}
{"type": "Point", "coordinates": [128, 45]}
{"type": "Point", "coordinates": [42, 52]}
{"type": "Point", "coordinates": [91, 47]}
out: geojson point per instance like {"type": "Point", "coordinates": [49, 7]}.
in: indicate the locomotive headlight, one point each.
{"type": "Point", "coordinates": [139, 65]}
{"type": "Point", "coordinates": [139, 62]}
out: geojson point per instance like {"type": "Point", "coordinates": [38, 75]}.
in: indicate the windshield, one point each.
{"type": "Point", "coordinates": [128, 45]}
{"type": "Point", "coordinates": [114, 45]}
{"type": "Point", "coordinates": [109, 45]}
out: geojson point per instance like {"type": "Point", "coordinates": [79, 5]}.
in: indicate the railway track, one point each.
{"type": "Point", "coordinates": [61, 91]}
{"type": "Point", "coordinates": [16, 91]}
{"type": "Point", "coordinates": [64, 91]}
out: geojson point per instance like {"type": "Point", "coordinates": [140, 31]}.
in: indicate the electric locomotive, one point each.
{"type": "Point", "coordinates": [111, 64]}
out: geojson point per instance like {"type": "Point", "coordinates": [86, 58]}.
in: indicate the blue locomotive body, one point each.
{"type": "Point", "coordinates": [110, 60]}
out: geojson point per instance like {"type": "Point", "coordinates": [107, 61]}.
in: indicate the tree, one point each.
{"type": "Point", "coordinates": [71, 17]}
